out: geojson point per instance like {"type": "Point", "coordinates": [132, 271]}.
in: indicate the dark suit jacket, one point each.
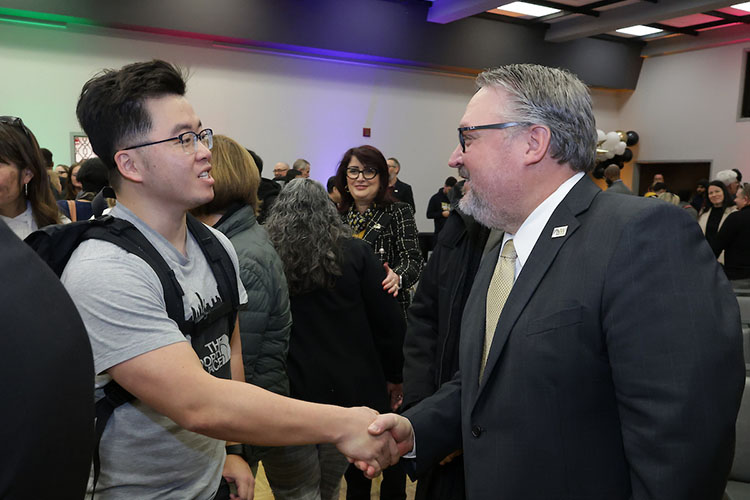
{"type": "Point", "coordinates": [402, 192]}
{"type": "Point", "coordinates": [346, 342]}
{"type": "Point", "coordinates": [619, 187]}
{"type": "Point", "coordinates": [733, 239]}
{"type": "Point", "coordinates": [616, 369]}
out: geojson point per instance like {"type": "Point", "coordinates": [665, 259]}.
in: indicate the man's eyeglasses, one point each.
{"type": "Point", "coordinates": [188, 141]}
{"type": "Point", "coordinates": [499, 126]}
{"type": "Point", "coordinates": [14, 121]}
{"type": "Point", "coordinates": [367, 173]}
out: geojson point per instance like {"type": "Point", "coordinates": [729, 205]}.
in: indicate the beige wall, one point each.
{"type": "Point", "coordinates": [283, 107]}
{"type": "Point", "coordinates": [685, 108]}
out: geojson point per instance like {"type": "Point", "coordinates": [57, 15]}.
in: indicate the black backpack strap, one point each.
{"type": "Point", "coordinates": [125, 235]}
{"type": "Point", "coordinates": [220, 263]}
{"type": "Point", "coordinates": [114, 396]}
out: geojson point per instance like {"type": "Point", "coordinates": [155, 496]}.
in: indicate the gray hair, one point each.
{"type": "Point", "coordinates": [301, 164]}
{"type": "Point", "coordinates": [726, 176]}
{"type": "Point", "coordinates": [306, 230]}
{"type": "Point", "coordinates": [555, 98]}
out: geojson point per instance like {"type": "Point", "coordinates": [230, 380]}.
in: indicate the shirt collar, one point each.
{"type": "Point", "coordinates": [528, 234]}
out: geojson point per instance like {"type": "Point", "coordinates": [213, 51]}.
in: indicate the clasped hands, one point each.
{"type": "Point", "coordinates": [373, 442]}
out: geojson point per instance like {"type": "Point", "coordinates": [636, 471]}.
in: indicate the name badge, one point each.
{"type": "Point", "coordinates": [559, 232]}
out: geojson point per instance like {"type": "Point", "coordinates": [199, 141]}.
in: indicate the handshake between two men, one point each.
{"type": "Point", "coordinates": [387, 438]}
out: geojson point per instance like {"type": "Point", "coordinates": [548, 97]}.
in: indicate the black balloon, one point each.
{"type": "Point", "coordinates": [632, 138]}
{"type": "Point", "coordinates": [598, 172]}
{"type": "Point", "coordinates": [627, 155]}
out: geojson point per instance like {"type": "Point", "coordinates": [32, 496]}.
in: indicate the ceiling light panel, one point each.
{"type": "Point", "coordinates": [528, 9]}
{"type": "Point", "coordinates": [639, 30]}
{"type": "Point", "coordinates": [742, 6]}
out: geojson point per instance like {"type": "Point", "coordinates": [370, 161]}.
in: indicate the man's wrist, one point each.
{"type": "Point", "coordinates": [234, 449]}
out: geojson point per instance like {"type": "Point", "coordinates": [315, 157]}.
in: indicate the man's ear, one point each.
{"type": "Point", "coordinates": [538, 139]}
{"type": "Point", "coordinates": [129, 165]}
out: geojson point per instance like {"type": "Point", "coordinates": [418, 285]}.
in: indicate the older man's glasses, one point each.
{"type": "Point", "coordinates": [367, 173]}
{"type": "Point", "coordinates": [498, 126]}
{"type": "Point", "coordinates": [188, 140]}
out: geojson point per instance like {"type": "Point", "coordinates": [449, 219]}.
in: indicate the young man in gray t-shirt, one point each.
{"type": "Point", "coordinates": [168, 443]}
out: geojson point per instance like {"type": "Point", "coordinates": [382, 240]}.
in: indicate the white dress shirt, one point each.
{"type": "Point", "coordinates": [529, 232]}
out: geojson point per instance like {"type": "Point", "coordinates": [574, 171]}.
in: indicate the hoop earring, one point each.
{"type": "Point", "coordinates": [26, 189]}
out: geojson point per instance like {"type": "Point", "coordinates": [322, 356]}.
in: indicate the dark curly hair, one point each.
{"type": "Point", "coordinates": [306, 231]}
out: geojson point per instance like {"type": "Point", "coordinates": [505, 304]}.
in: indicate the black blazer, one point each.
{"type": "Point", "coordinates": [402, 192]}
{"type": "Point", "coordinates": [431, 342]}
{"type": "Point", "coordinates": [733, 239]}
{"type": "Point", "coordinates": [616, 370]}
{"type": "Point", "coordinates": [392, 229]}
{"type": "Point", "coordinates": [346, 341]}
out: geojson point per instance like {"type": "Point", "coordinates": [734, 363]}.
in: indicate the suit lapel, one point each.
{"type": "Point", "coordinates": [542, 255]}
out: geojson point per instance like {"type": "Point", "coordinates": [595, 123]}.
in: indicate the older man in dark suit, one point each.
{"type": "Point", "coordinates": [598, 359]}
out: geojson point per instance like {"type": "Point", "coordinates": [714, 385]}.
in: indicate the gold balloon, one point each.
{"type": "Point", "coordinates": [623, 135]}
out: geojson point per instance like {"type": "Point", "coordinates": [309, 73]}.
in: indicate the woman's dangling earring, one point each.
{"type": "Point", "coordinates": [26, 189]}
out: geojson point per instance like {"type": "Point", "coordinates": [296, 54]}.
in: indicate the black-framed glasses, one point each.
{"type": "Point", "coordinates": [15, 121]}
{"type": "Point", "coordinates": [498, 126]}
{"type": "Point", "coordinates": [368, 173]}
{"type": "Point", "coordinates": [188, 141]}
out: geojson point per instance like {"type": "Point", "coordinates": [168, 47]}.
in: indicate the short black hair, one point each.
{"type": "Point", "coordinates": [258, 160]}
{"type": "Point", "coordinates": [739, 174]}
{"type": "Point", "coordinates": [331, 184]}
{"type": "Point", "coordinates": [93, 175]}
{"type": "Point", "coordinates": [47, 155]}
{"type": "Point", "coordinates": [450, 181]}
{"type": "Point", "coordinates": [291, 174]}
{"type": "Point", "coordinates": [111, 106]}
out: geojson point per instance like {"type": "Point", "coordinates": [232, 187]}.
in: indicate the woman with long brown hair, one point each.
{"type": "Point", "coordinates": [26, 200]}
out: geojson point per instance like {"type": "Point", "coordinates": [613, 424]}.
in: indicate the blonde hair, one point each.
{"type": "Point", "coordinates": [236, 177]}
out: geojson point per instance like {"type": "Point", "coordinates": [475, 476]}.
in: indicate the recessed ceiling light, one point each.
{"type": "Point", "coordinates": [742, 6]}
{"type": "Point", "coordinates": [528, 9]}
{"type": "Point", "coordinates": [639, 30]}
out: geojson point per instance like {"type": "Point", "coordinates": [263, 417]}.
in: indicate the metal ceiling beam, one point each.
{"type": "Point", "coordinates": [674, 29]}
{"type": "Point", "coordinates": [739, 33]}
{"type": "Point", "coordinates": [601, 3]}
{"type": "Point", "coordinates": [729, 17]}
{"type": "Point", "coordinates": [628, 15]}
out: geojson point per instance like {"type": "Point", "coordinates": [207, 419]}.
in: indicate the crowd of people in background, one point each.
{"type": "Point", "coordinates": [715, 205]}
{"type": "Point", "coordinates": [327, 278]}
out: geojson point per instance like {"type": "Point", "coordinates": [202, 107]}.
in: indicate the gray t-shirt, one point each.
{"type": "Point", "coordinates": [120, 298]}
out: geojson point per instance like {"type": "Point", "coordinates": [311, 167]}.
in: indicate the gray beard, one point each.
{"type": "Point", "coordinates": [481, 210]}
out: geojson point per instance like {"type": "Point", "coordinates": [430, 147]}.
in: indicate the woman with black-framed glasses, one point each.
{"type": "Point", "coordinates": [388, 226]}
{"type": "Point", "coordinates": [26, 200]}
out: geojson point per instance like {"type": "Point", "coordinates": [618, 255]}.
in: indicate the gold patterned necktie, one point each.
{"type": "Point", "coordinates": [497, 294]}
